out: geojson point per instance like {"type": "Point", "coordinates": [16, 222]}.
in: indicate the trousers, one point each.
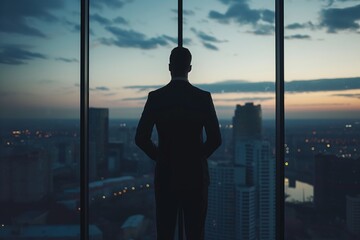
{"type": "Point", "coordinates": [192, 201]}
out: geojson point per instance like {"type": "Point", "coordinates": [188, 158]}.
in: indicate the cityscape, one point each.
{"type": "Point", "coordinates": [233, 57]}
{"type": "Point", "coordinates": [40, 191]}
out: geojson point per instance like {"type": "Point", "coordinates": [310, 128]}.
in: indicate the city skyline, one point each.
{"type": "Point", "coordinates": [232, 43]}
{"type": "Point", "coordinates": [125, 189]}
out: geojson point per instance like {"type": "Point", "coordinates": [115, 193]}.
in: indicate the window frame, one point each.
{"type": "Point", "coordinates": [84, 115]}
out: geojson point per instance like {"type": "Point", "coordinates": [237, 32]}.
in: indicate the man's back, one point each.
{"type": "Point", "coordinates": [180, 112]}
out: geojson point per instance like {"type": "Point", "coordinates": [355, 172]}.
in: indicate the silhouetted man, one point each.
{"type": "Point", "coordinates": [180, 112]}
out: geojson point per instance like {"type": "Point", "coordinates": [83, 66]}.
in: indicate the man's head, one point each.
{"type": "Point", "coordinates": [180, 62]}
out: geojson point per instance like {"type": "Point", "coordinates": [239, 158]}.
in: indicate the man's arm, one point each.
{"type": "Point", "coordinates": [144, 130]}
{"type": "Point", "coordinates": [213, 136]}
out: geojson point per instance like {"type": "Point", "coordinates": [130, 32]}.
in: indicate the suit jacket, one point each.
{"type": "Point", "coordinates": [180, 112]}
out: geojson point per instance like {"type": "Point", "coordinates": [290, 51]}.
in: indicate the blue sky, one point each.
{"type": "Point", "coordinates": [232, 42]}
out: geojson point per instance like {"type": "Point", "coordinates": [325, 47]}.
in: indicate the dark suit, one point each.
{"type": "Point", "coordinates": [180, 112]}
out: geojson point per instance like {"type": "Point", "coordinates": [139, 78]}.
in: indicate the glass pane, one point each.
{"type": "Point", "coordinates": [233, 57]}
{"type": "Point", "coordinates": [322, 166]}
{"type": "Point", "coordinates": [129, 51]}
{"type": "Point", "coordinates": [39, 120]}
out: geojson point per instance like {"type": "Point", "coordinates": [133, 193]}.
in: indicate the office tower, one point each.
{"type": "Point", "coordinates": [247, 122]}
{"type": "Point", "coordinates": [252, 154]}
{"type": "Point", "coordinates": [25, 175]}
{"type": "Point", "coordinates": [115, 157]}
{"type": "Point", "coordinates": [221, 222]}
{"type": "Point", "coordinates": [353, 214]}
{"type": "Point", "coordinates": [335, 178]}
{"type": "Point", "coordinates": [242, 192]}
{"type": "Point", "coordinates": [99, 137]}
{"type": "Point", "coordinates": [245, 212]}
{"type": "Point", "coordinates": [255, 184]}
{"type": "Point", "coordinates": [266, 192]}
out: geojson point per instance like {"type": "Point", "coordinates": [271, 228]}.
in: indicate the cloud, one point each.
{"type": "Point", "coordinates": [261, 20]}
{"type": "Point", "coordinates": [339, 19]}
{"type": "Point", "coordinates": [100, 4]}
{"type": "Point", "coordinates": [135, 99]}
{"type": "Point", "coordinates": [206, 37]}
{"type": "Point", "coordinates": [331, 2]}
{"type": "Point", "coordinates": [15, 15]}
{"type": "Point", "coordinates": [241, 13]}
{"type": "Point", "coordinates": [110, 94]}
{"type": "Point", "coordinates": [185, 12]}
{"type": "Point", "coordinates": [246, 99]}
{"type": "Point", "coordinates": [296, 26]}
{"type": "Point", "coordinates": [350, 95]}
{"type": "Point", "coordinates": [132, 39]}
{"type": "Point", "coordinates": [297, 36]}
{"type": "Point", "coordinates": [186, 41]}
{"type": "Point", "coordinates": [210, 46]}
{"type": "Point", "coordinates": [120, 20]}
{"type": "Point", "coordinates": [298, 86]}
{"type": "Point", "coordinates": [97, 18]}
{"type": "Point", "coordinates": [207, 40]}
{"type": "Point", "coordinates": [67, 60]}
{"type": "Point", "coordinates": [226, 2]}
{"type": "Point", "coordinates": [18, 54]}
{"type": "Point", "coordinates": [262, 29]}
{"type": "Point", "coordinates": [268, 16]}
{"type": "Point", "coordinates": [101, 88]}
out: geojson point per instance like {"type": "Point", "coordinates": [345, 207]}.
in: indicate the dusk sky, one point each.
{"type": "Point", "coordinates": [232, 42]}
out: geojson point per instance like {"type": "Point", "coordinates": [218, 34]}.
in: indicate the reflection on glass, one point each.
{"type": "Point", "coordinates": [39, 119]}
{"type": "Point", "coordinates": [322, 166]}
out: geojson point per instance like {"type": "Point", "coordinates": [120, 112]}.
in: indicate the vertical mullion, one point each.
{"type": "Point", "coordinates": [180, 23]}
{"type": "Point", "coordinates": [280, 129]}
{"type": "Point", "coordinates": [84, 123]}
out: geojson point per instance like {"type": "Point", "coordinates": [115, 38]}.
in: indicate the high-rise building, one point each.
{"type": "Point", "coordinates": [115, 157]}
{"type": "Point", "coordinates": [254, 155]}
{"type": "Point", "coordinates": [256, 189]}
{"type": "Point", "coordinates": [242, 192]}
{"type": "Point", "coordinates": [245, 212]}
{"type": "Point", "coordinates": [25, 175]}
{"type": "Point", "coordinates": [265, 185]}
{"type": "Point", "coordinates": [335, 178]}
{"type": "Point", "coordinates": [99, 137]}
{"type": "Point", "coordinates": [221, 222]}
{"type": "Point", "coordinates": [247, 122]}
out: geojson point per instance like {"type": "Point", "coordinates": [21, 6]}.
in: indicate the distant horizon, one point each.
{"type": "Point", "coordinates": [220, 119]}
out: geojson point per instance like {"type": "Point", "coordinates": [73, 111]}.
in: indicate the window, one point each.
{"type": "Point", "coordinates": [322, 114]}
{"type": "Point", "coordinates": [39, 102]}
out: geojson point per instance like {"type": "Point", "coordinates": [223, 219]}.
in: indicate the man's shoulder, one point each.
{"type": "Point", "coordinates": [200, 91]}
{"type": "Point", "coordinates": [168, 88]}
{"type": "Point", "coordinates": [158, 91]}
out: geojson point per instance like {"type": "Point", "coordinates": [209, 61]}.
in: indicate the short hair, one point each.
{"type": "Point", "coordinates": [180, 58]}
